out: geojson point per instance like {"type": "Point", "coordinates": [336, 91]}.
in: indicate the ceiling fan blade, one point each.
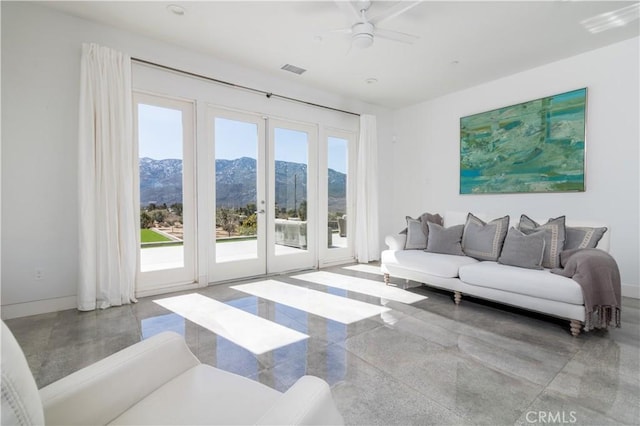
{"type": "Point", "coordinates": [349, 10]}
{"type": "Point", "coordinates": [395, 10]}
{"type": "Point", "coordinates": [340, 30]}
{"type": "Point", "coordinates": [396, 36]}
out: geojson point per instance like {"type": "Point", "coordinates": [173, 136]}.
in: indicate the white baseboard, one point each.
{"type": "Point", "coordinates": [632, 291]}
{"type": "Point", "coordinates": [167, 289]}
{"type": "Point", "coordinates": [17, 310]}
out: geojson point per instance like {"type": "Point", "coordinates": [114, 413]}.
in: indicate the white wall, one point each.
{"type": "Point", "coordinates": [40, 90]}
{"type": "Point", "coordinates": [426, 154]}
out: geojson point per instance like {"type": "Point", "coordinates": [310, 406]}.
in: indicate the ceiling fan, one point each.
{"type": "Point", "coordinates": [365, 29]}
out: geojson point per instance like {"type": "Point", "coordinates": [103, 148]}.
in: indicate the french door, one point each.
{"type": "Point", "coordinates": [263, 194]}
{"type": "Point", "coordinates": [164, 129]}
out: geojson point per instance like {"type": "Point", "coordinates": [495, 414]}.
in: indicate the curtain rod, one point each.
{"type": "Point", "coordinates": [239, 86]}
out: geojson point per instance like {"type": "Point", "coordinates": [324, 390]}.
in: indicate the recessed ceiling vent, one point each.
{"type": "Point", "coordinates": [293, 69]}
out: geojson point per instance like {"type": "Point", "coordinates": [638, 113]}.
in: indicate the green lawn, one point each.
{"type": "Point", "coordinates": [150, 236]}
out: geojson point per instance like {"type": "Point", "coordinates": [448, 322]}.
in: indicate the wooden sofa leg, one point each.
{"type": "Point", "coordinates": [457, 296]}
{"type": "Point", "coordinates": [386, 279]}
{"type": "Point", "coordinates": [576, 326]}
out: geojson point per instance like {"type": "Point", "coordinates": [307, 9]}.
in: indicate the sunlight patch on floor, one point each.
{"type": "Point", "coordinates": [325, 305]}
{"type": "Point", "coordinates": [253, 333]}
{"type": "Point", "coordinates": [361, 285]}
{"type": "Point", "coordinates": [369, 269]}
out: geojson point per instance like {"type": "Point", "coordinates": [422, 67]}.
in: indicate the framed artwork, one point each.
{"type": "Point", "coordinates": [535, 146]}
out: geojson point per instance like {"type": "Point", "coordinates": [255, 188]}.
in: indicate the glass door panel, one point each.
{"type": "Point", "coordinates": [336, 193]}
{"type": "Point", "coordinates": [239, 202]}
{"type": "Point", "coordinates": [161, 233]}
{"type": "Point", "coordinates": [293, 196]}
{"type": "Point", "coordinates": [167, 226]}
{"type": "Point", "coordinates": [236, 153]}
{"type": "Point", "coordinates": [291, 164]}
{"type": "Point", "coordinates": [337, 162]}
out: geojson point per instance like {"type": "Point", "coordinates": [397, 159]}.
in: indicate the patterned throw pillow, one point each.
{"type": "Point", "coordinates": [583, 237]}
{"type": "Point", "coordinates": [483, 241]}
{"type": "Point", "coordinates": [554, 236]}
{"type": "Point", "coordinates": [525, 251]}
{"type": "Point", "coordinates": [445, 240]}
{"type": "Point", "coordinates": [416, 241]}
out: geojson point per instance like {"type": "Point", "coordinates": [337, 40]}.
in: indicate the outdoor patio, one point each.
{"type": "Point", "coordinates": [169, 257]}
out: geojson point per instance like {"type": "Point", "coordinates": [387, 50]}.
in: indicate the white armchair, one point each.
{"type": "Point", "coordinates": [156, 381]}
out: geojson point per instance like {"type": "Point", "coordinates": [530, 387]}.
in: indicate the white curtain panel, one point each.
{"type": "Point", "coordinates": [107, 162]}
{"type": "Point", "coordinates": [367, 246]}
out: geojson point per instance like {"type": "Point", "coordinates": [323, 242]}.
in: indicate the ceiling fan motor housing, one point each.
{"type": "Point", "coordinates": [362, 34]}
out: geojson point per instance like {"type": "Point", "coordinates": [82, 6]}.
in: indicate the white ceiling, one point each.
{"type": "Point", "coordinates": [462, 43]}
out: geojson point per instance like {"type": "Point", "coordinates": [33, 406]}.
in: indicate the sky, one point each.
{"type": "Point", "coordinates": [160, 137]}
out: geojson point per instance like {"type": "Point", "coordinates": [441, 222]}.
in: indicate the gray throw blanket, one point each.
{"type": "Point", "coordinates": [598, 275]}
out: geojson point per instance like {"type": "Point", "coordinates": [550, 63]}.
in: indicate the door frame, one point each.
{"type": "Point", "coordinates": [167, 280]}
{"type": "Point", "coordinates": [225, 271]}
{"type": "Point", "coordinates": [339, 255]}
{"type": "Point", "coordinates": [308, 258]}
{"type": "Point", "coordinates": [267, 261]}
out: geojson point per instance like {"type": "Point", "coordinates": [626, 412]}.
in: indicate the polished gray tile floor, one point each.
{"type": "Point", "coordinates": [430, 362]}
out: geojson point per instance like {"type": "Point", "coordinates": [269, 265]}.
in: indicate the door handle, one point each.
{"type": "Point", "coordinates": [261, 211]}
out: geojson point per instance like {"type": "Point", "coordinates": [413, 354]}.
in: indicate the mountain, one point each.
{"type": "Point", "coordinates": [235, 182]}
{"type": "Point", "coordinates": [161, 182]}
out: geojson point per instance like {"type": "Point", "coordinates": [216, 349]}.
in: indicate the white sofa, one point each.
{"type": "Point", "coordinates": [531, 289]}
{"type": "Point", "coordinates": [154, 382]}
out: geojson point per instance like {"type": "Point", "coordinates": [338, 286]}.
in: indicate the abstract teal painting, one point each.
{"type": "Point", "coordinates": [535, 146]}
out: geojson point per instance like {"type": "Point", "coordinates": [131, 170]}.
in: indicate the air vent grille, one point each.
{"type": "Point", "coordinates": [293, 69]}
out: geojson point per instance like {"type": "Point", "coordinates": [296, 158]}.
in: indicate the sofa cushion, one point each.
{"type": "Point", "coordinates": [445, 240]}
{"type": "Point", "coordinates": [483, 241]}
{"type": "Point", "coordinates": [554, 238]}
{"type": "Point", "coordinates": [440, 265]}
{"type": "Point", "coordinates": [531, 282]}
{"type": "Point", "coordinates": [582, 237]}
{"type": "Point", "coordinates": [522, 250]}
{"type": "Point", "coordinates": [203, 395]}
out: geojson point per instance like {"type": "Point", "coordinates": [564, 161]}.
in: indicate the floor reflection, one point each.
{"type": "Point", "coordinates": [157, 324]}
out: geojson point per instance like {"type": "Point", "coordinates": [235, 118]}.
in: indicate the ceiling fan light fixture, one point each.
{"type": "Point", "coordinates": [362, 41]}
{"type": "Point", "coordinates": [362, 35]}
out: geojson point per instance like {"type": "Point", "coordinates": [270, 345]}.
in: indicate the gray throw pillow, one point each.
{"type": "Point", "coordinates": [445, 240]}
{"type": "Point", "coordinates": [425, 218]}
{"type": "Point", "coordinates": [523, 250]}
{"type": "Point", "coordinates": [483, 241]}
{"type": "Point", "coordinates": [554, 236]}
{"type": "Point", "coordinates": [416, 239]}
{"type": "Point", "coordinates": [583, 237]}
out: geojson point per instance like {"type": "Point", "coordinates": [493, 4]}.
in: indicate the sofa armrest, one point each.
{"type": "Point", "coordinates": [307, 402]}
{"type": "Point", "coordinates": [99, 393]}
{"type": "Point", "coordinates": [396, 242]}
